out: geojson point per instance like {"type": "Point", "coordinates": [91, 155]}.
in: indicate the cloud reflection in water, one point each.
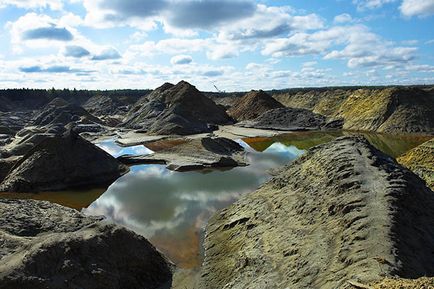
{"type": "Point", "coordinates": [155, 202]}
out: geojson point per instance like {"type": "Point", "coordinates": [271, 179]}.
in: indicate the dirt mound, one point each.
{"type": "Point", "coordinates": [60, 112]}
{"type": "Point", "coordinates": [62, 162]}
{"type": "Point", "coordinates": [344, 212]}
{"type": "Point", "coordinates": [52, 247]}
{"type": "Point", "coordinates": [252, 105]}
{"type": "Point", "coordinates": [176, 109]}
{"type": "Point", "coordinates": [421, 161]}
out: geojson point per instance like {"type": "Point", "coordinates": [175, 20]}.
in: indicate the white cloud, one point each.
{"type": "Point", "coordinates": [223, 51]}
{"type": "Point", "coordinates": [361, 47]}
{"type": "Point", "coordinates": [40, 31]}
{"type": "Point", "coordinates": [32, 4]}
{"type": "Point", "coordinates": [371, 4]}
{"type": "Point", "coordinates": [269, 22]}
{"type": "Point", "coordinates": [181, 59]}
{"type": "Point", "coordinates": [420, 8]}
{"type": "Point", "coordinates": [343, 18]}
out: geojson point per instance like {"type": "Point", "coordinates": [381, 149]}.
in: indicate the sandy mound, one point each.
{"type": "Point", "coordinates": [345, 212]}
{"type": "Point", "coordinates": [252, 105]}
{"type": "Point", "coordinates": [62, 162]}
{"type": "Point", "coordinates": [176, 109]}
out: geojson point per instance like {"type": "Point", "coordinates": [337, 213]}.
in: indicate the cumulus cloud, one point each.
{"type": "Point", "coordinates": [51, 33]}
{"type": "Point", "coordinates": [75, 51]}
{"type": "Point", "coordinates": [421, 8]}
{"type": "Point", "coordinates": [222, 51]}
{"type": "Point", "coordinates": [343, 18]}
{"type": "Point", "coordinates": [207, 14]}
{"type": "Point", "coordinates": [107, 54]}
{"type": "Point", "coordinates": [185, 14]}
{"type": "Point", "coordinates": [269, 22]}
{"type": "Point", "coordinates": [181, 59]}
{"type": "Point", "coordinates": [361, 47]}
{"type": "Point", "coordinates": [40, 31]}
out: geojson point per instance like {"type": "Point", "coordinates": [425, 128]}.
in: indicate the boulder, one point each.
{"type": "Point", "coordinates": [47, 246]}
{"type": "Point", "coordinates": [252, 105]}
{"type": "Point", "coordinates": [62, 162]}
{"type": "Point", "coordinates": [343, 214]}
{"type": "Point", "coordinates": [176, 109]}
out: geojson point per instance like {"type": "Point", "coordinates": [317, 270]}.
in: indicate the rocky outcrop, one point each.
{"type": "Point", "coordinates": [192, 154]}
{"type": "Point", "coordinates": [291, 119]}
{"type": "Point", "coordinates": [387, 110]}
{"type": "Point", "coordinates": [343, 214]}
{"type": "Point", "coordinates": [252, 105]}
{"type": "Point", "coordinates": [176, 109]}
{"type": "Point", "coordinates": [52, 247]}
{"type": "Point", "coordinates": [62, 162]}
{"type": "Point", "coordinates": [421, 161]}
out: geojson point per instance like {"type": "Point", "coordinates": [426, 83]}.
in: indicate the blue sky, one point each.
{"type": "Point", "coordinates": [234, 44]}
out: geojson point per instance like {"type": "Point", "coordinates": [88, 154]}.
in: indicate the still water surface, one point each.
{"type": "Point", "coordinates": [171, 208]}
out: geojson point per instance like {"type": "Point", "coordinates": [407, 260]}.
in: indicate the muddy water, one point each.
{"type": "Point", "coordinates": [171, 208]}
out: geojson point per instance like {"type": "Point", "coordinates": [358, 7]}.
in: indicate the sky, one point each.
{"type": "Point", "coordinates": [235, 45]}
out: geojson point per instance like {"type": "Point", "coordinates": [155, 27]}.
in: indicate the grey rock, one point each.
{"type": "Point", "coordinates": [343, 212]}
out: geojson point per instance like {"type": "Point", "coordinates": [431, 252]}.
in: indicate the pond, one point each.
{"type": "Point", "coordinates": [171, 208]}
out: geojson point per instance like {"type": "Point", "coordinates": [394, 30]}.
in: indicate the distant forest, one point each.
{"type": "Point", "coordinates": [25, 93]}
